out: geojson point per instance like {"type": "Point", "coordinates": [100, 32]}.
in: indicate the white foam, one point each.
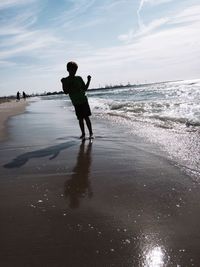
{"type": "Point", "coordinates": [175, 101]}
{"type": "Point", "coordinates": [167, 114]}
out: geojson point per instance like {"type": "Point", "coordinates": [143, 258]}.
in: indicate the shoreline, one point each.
{"type": "Point", "coordinates": [110, 202]}
{"type": "Point", "coordinates": [9, 109]}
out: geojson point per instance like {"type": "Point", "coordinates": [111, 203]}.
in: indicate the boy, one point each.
{"type": "Point", "coordinates": [75, 87]}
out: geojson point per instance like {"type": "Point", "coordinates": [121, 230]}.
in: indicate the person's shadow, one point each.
{"type": "Point", "coordinates": [79, 186]}
{"type": "Point", "coordinates": [52, 152]}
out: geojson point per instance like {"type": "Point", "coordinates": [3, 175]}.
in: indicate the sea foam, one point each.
{"type": "Point", "coordinates": [167, 114]}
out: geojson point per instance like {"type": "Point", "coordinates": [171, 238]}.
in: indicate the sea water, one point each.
{"type": "Point", "coordinates": [166, 114]}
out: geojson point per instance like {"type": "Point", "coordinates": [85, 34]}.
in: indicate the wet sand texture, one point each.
{"type": "Point", "coordinates": [113, 202]}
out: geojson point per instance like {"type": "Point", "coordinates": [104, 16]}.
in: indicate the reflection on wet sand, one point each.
{"type": "Point", "coordinates": [79, 186]}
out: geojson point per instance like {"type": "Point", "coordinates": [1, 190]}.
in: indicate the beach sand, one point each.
{"type": "Point", "coordinates": [114, 202]}
{"type": "Point", "coordinates": [8, 109]}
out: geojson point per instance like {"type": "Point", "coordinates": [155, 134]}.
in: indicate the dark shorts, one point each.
{"type": "Point", "coordinates": [82, 110]}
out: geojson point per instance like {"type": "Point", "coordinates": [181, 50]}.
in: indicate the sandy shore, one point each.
{"type": "Point", "coordinates": [113, 202]}
{"type": "Point", "coordinates": [8, 109]}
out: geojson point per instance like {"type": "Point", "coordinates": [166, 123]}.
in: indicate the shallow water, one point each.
{"type": "Point", "coordinates": [162, 103]}
{"type": "Point", "coordinates": [112, 203]}
{"type": "Point", "coordinates": [166, 114]}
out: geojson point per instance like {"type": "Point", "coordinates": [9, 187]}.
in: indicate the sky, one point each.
{"type": "Point", "coordinates": [114, 41]}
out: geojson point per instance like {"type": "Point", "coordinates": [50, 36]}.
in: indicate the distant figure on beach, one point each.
{"type": "Point", "coordinates": [79, 186]}
{"type": "Point", "coordinates": [76, 88]}
{"type": "Point", "coordinates": [24, 95]}
{"type": "Point", "coordinates": [18, 96]}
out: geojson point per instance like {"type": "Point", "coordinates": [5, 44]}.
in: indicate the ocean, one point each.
{"type": "Point", "coordinates": [166, 114]}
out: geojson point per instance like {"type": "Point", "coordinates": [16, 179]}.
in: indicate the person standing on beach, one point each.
{"type": "Point", "coordinates": [18, 96]}
{"type": "Point", "coordinates": [24, 95]}
{"type": "Point", "coordinates": [76, 88]}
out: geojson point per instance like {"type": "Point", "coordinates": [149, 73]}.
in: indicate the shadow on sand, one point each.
{"type": "Point", "coordinates": [79, 186]}
{"type": "Point", "coordinates": [52, 152]}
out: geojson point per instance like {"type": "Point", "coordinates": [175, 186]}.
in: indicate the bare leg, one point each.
{"type": "Point", "coordinates": [81, 124]}
{"type": "Point", "coordinates": [89, 125]}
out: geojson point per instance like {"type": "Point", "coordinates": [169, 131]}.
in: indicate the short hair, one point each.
{"type": "Point", "coordinates": [72, 65]}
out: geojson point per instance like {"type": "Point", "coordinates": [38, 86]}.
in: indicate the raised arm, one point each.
{"type": "Point", "coordinates": [88, 82]}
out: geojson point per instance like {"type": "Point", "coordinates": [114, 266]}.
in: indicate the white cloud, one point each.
{"type": "Point", "coordinates": [19, 36]}
{"type": "Point", "coordinates": [28, 42]}
{"type": "Point", "coordinates": [5, 63]}
{"type": "Point", "coordinates": [166, 54]}
{"type": "Point", "coordinates": [190, 14]}
{"type": "Point", "coordinates": [165, 48]}
{"type": "Point", "coordinates": [74, 9]}
{"type": "Point", "coordinates": [171, 53]}
{"type": "Point", "coordinates": [145, 30]}
{"type": "Point", "coordinates": [18, 24]}
{"type": "Point", "coordinates": [10, 3]}
{"type": "Point", "coordinates": [156, 2]}
{"type": "Point", "coordinates": [110, 4]}
{"type": "Point", "coordinates": [141, 5]}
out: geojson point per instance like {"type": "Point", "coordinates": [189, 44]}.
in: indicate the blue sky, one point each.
{"type": "Point", "coordinates": [115, 41]}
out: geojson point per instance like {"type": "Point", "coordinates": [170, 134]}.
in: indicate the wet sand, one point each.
{"type": "Point", "coordinates": [113, 202]}
{"type": "Point", "coordinates": [8, 109]}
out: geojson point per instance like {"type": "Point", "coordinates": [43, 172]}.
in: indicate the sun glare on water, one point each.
{"type": "Point", "coordinates": [154, 257]}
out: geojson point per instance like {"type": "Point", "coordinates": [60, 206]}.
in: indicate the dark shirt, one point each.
{"type": "Point", "coordinates": [75, 87]}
